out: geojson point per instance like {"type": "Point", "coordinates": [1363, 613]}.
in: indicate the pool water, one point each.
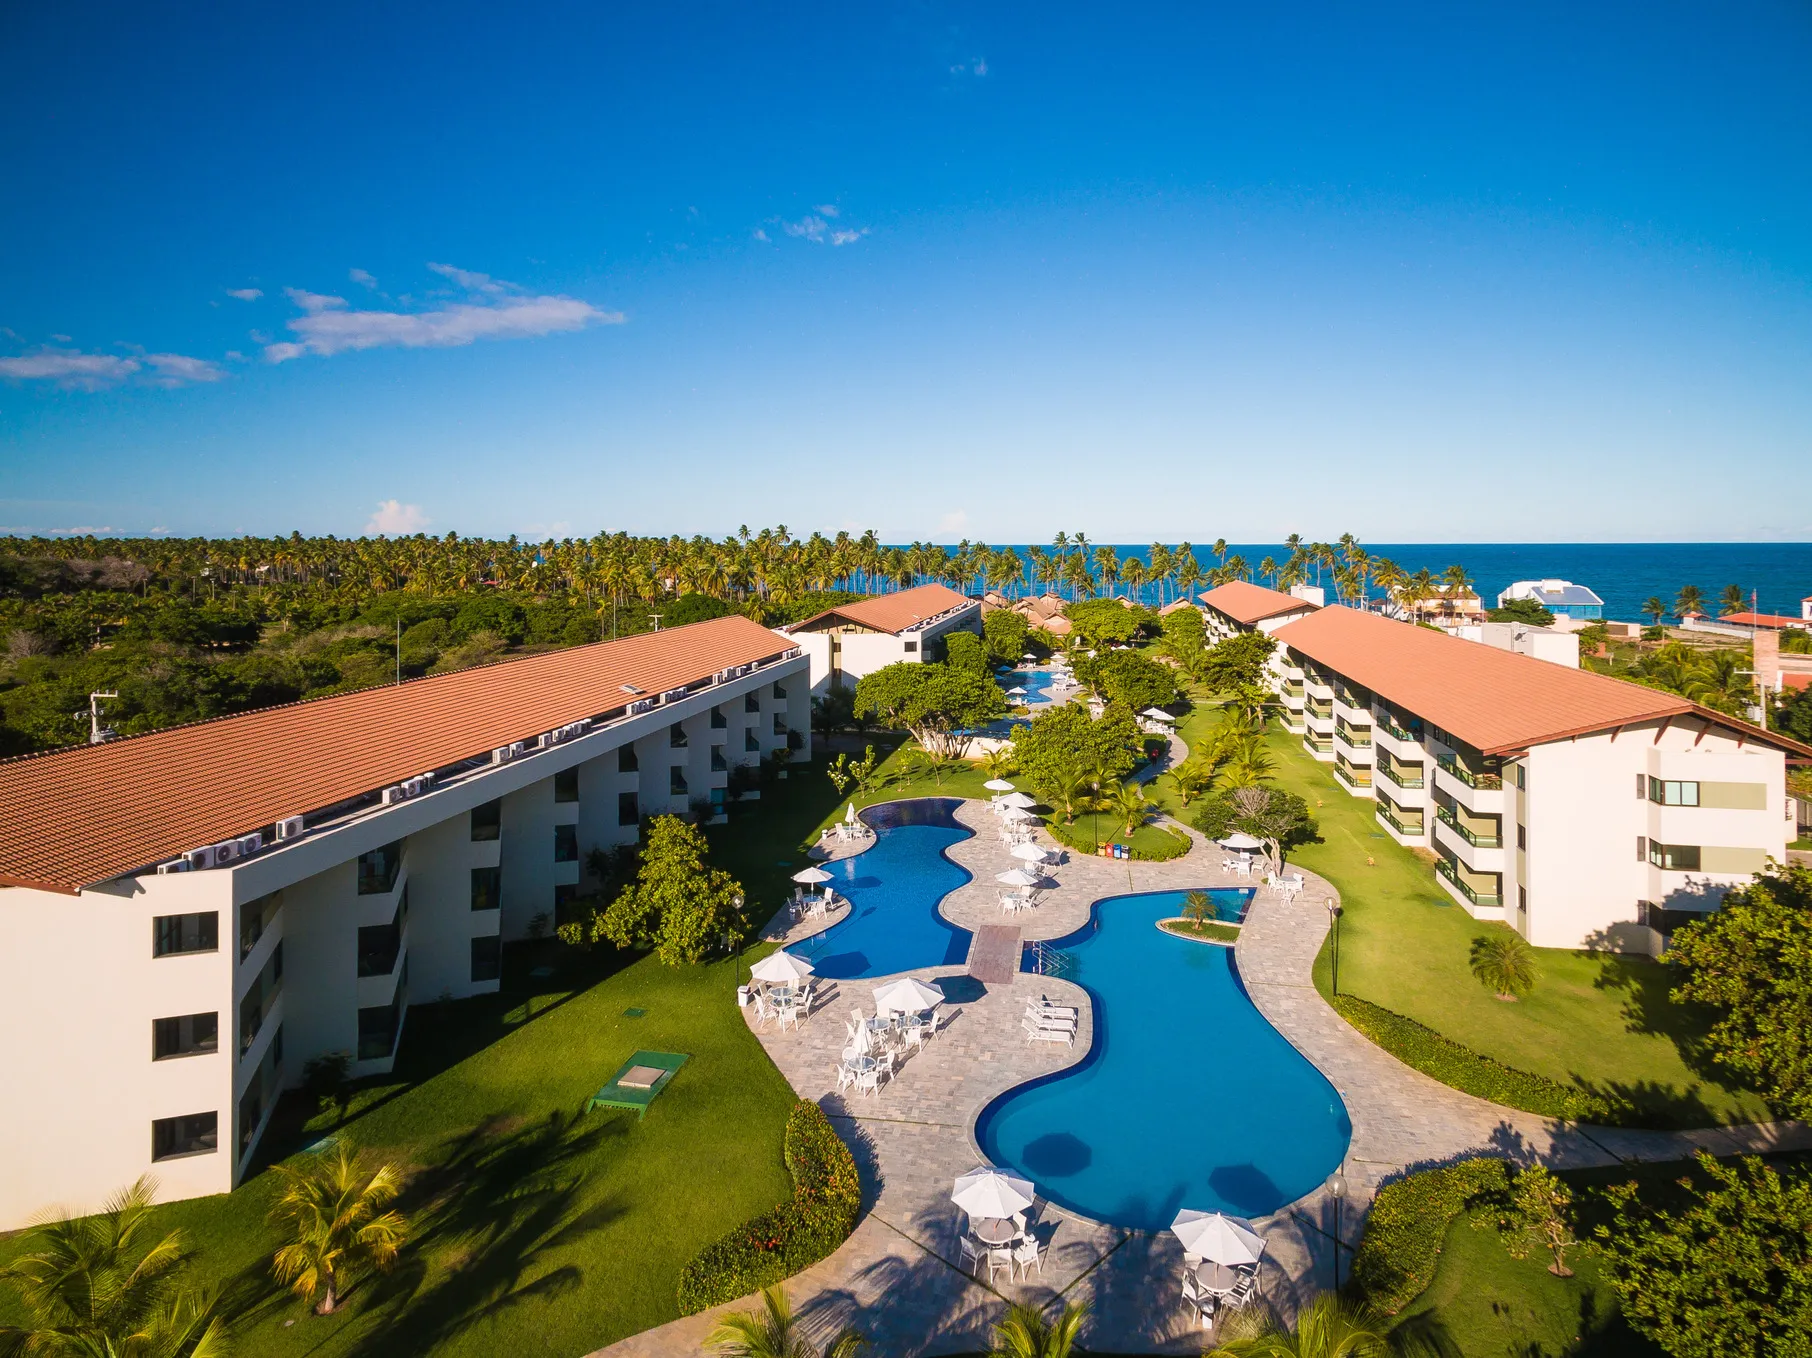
{"type": "Point", "coordinates": [893, 890]}
{"type": "Point", "coordinates": [1036, 683]}
{"type": "Point", "coordinates": [1187, 1098]}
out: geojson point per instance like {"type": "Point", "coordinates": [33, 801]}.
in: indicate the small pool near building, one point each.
{"type": "Point", "coordinates": [1187, 1098]}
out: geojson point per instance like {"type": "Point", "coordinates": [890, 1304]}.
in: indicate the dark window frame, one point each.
{"type": "Point", "coordinates": [566, 843]}
{"type": "Point", "coordinates": [487, 821]}
{"type": "Point", "coordinates": [179, 1137]}
{"type": "Point", "coordinates": [566, 786]}
{"type": "Point", "coordinates": [493, 893]}
{"type": "Point", "coordinates": [170, 934]}
{"type": "Point", "coordinates": [486, 956]}
{"type": "Point", "coordinates": [379, 868]}
{"type": "Point", "coordinates": [629, 809]}
{"type": "Point", "coordinates": [168, 1036]}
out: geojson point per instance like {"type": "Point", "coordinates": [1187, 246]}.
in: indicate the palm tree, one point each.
{"type": "Point", "coordinates": [775, 1333]}
{"type": "Point", "coordinates": [1024, 1332]}
{"type": "Point", "coordinates": [1190, 779]}
{"type": "Point", "coordinates": [1504, 963]}
{"type": "Point", "coordinates": [1732, 600]}
{"type": "Point", "coordinates": [93, 1292]}
{"type": "Point", "coordinates": [1690, 599]}
{"type": "Point", "coordinates": [1128, 806]}
{"type": "Point", "coordinates": [1656, 608]}
{"type": "Point", "coordinates": [1327, 1327]}
{"type": "Point", "coordinates": [998, 762]}
{"type": "Point", "coordinates": [1069, 793]}
{"type": "Point", "coordinates": [335, 1212]}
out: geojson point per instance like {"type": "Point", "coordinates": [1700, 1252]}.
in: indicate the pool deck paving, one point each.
{"type": "Point", "coordinates": [899, 1277]}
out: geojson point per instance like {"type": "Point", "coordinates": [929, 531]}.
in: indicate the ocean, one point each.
{"type": "Point", "coordinates": [1623, 574]}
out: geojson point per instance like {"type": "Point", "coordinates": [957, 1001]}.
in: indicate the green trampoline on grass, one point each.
{"type": "Point", "coordinates": [637, 1081]}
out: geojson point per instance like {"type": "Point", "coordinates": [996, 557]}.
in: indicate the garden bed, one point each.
{"type": "Point", "coordinates": [1207, 931]}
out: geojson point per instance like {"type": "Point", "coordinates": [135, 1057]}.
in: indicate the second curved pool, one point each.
{"type": "Point", "coordinates": [1188, 1097]}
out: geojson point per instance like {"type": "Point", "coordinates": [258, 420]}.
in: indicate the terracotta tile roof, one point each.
{"type": "Point", "coordinates": [1247, 603]}
{"type": "Point", "coordinates": [1496, 701]}
{"type": "Point", "coordinates": [892, 612]}
{"type": "Point", "coordinates": [1770, 620]}
{"type": "Point", "coordinates": [80, 816]}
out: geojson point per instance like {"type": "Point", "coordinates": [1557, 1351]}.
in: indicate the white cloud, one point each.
{"type": "Point", "coordinates": [810, 227]}
{"type": "Point", "coordinates": [90, 372]}
{"type": "Point", "coordinates": [760, 234]}
{"type": "Point", "coordinates": [954, 523]}
{"type": "Point", "coordinates": [471, 282]}
{"type": "Point", "coordinates": [499, 313]}
{"type": "Point", "coordinates": [246, 294]}
{"type": "Point", "coordinates": [396, 519]}
{"type": "Point", "coordinates": [313, 301]}
{"type": "Point", "coordinates": [813, 227]}
{"type": "Point", "coordinates": [977, 67]}
{"type": "Point", "coordinates": [847, 237]}
{"type": "Point", "coordinates": [826, 209]}
{"type": "Point", "coordinates": [360, 276]}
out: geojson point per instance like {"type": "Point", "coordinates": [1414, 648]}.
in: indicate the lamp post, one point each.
{"type": "Point", "coordinates": [1334, 914]}
{"type": "Point", "coordinates": [1336, 1187]}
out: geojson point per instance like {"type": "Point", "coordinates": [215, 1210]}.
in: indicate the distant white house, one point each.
{"type": "Point", "coordinates": [1562, 598]}
{"type": "Point", "coordinates": [852, 640]}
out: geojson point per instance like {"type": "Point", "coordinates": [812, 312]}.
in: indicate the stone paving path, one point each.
{"type": "Point", "coordinates": [898, 1277]}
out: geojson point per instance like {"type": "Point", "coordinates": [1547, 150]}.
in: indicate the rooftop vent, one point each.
{"type": "Point", "coordinates": [631, 688]}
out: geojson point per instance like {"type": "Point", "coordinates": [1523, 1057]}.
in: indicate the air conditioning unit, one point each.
{"type": "Point", "coordinates": [198, 859]}
{"type": "Point", "coordinates": [412, 787]}
{"type": "Point", "coordinates": [290, 827]}
{"type": "Point", "coordinates": [174, 865]}
{"type": "Point", "coordinates": [226, 851]}
{"type": "Point", "coordinates": [394, 796]}
{"type": "Point", "coordinates": [249, 844]}
{"type": "Point", "coordinates": [503, 754]}
{"type": "Point", "coordinates": [426, 780]}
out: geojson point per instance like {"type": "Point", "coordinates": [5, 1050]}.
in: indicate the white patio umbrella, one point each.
{"type": "Point", "coordinates": [1030, 656]}
{"type": "Point", "coordinates": [1018, 815]}
{"type": "Point", "coordinates": [811, 876]}
{"type": "Point", "coordinates": [850, 815]}
{"type": "Point", "coordinates": [1239, 839]}
{"type": "Point", "coordinates": [1016, 692]}
{"type": "Point", "coordinates": [1217, 1238]}
{"type": "Point", "coordinates": [906, 996]}
{"type": "Point", "coordinates": [998, 785]}
{"type": "Point", "coordinates": [1158, 714]}
{"type": "Point", "coordinates": [1019, 799]}
{"type": "Point", "coordinates": [781, 968]}
{"type": "Point", "coordinates": [992, 1193]}
{"type": "Point", "coordinates": [1030, 853]}
{"type": "Point", "coordinates": [1017, 877]}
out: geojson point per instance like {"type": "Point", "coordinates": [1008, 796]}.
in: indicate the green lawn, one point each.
{"type": "Point", "coordinates": [1599, 1019]}
{"type": "Point", "coordinates": [539, 1228]}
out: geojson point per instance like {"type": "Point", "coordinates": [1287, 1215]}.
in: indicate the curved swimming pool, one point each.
{"type": "Point", "coordinates": [893, 890]}
{"type": "Point", "coordinates": [1188, 1097]}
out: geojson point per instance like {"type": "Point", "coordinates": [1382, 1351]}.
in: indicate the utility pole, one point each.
{"type": "Point", "coordinates": [399, 648]}
{"type": "Point", "coordinates": [97, 734]}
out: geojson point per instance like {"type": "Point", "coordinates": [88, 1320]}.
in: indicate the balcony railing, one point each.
{"type": "Point", "coordinates": [1398, 774]}
{"type": "Point", "coordinates": [1472, 837]}
{"type": "Point", "coordinates": [1319, 744]}
{"type": "Point", "coordinates": [1356, 736]}
{"type": "Point", "coordinates": [1292, 690]}
{"type": "Point", "coordinates": [1353, 777]}
{"type": "Point", "coordinates": [1485, 782]}
{"type": "Point", "coordinates": [1471, 893]}
{"type": "Point", "coordinates": [1383, 719]}
{"type": "Point", "coordinates": [1320, 711]}
{"type": "Point", "coordinates": [1404, 827]}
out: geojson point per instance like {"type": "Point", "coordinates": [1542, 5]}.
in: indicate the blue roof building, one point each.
{"type": "Point", "coordinates": [1562, 598]}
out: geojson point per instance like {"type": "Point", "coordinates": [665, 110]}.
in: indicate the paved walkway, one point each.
{"type": "Point", "coordinates": [898, 1277]}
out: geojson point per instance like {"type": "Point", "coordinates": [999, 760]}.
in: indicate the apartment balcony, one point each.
{"type": "Point", "coordinates": [1357, 780]}
{"type": "Point", "coordinates": [1321, 721]}
{"type": "Point", "coordinates": [1479, 839]}
{"type": "Point", "coordinates": [1348, 702]}
{"type": "Point", "coordinates": [1452, 839]}
{"type": "Point", "coordinates": [1293, 723]}
{"type": "Point", "coordinates": [1322, 747]}
{"type": "Point", "coordinates": [1356, 737]}
{"type": "Point", "coordinates": [1292, 692]}
{"type": "Point", "coordinates": [1480, 792]}
{"type": "Point", "coordinates": [1483, 894]}
{"type": "Point", "coordinates": [1406, 776]}
{"type": "Point", "coordinates": [1382, 719]}
{"type": "Point", "coordinates": [1407, 827]}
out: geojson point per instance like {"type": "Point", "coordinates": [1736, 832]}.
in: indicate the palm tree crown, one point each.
{"type": "Point", "coordinates": [335, 1211]}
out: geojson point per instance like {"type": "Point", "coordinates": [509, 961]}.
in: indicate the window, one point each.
{"type": "Point", "coordinates": [378, 947]}
{"type": "Point", "coordinates": [1641, 848]}
{"type": "Point", "coordinates": [750, 744]}
{"type": "Point", "coordinates": [377, 1031]}
{"type": "Point", "coordinates": [564, 895]}
{"type": "Point", "coordinates": [1522, 837]}
{"type": "Point", "coordinates": [566, 785]}
{"type": "Point", "coordinates": [718, 763]}
{"type": "Point", "coordinates": [909, 647]}
{"type": "Point", "coordinates": [566, 844]}
{"type": "Point", "coordinates": [487, 888]}
{"type": "Point", "coordinates": [628, 813]}
{"type": "Point", "coordinates": [173, 935]}
{"type": "Point", "coordinates": [193, 1134]}
{"type": "Point", "coordinates": [1673, 793]}
{"type": "Point", "coordinates": [780, 723]}
{"type": "Point", "coordinates": [751, 702]}
{"type": "Point", "coordinates": [487, 821]}
{"type": "Point", "coordinates": [626, 760]}
{"type": "Point", "coordinates": [718, 720]}
{"type": "Point", "coordinates": [187, 1035]}
{"type": "Point", "coordinates": [251, 1109]}
{"type": "Point", "coordinates": [717, 799]}
{"type": "Point", "coordinates": [779, 692]}
{"type": "Point", "coordinates": [487, 958]}
{"type": "Point", "coordinates": [1520, 777]}
{"type": "Point", "coordinates": [378, 869]}
{"type": "Point", "coordinates": [1641, 786]}
{"type": "Point", "coordinates": [676, 737]}
{"type": "Point", "coordinates": [254, 918]}
{"type": "Point", "coordinates": [1674, 857]}
{"type": "Point", "coordinates": [676, 781]}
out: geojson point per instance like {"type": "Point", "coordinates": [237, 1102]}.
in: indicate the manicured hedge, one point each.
{"type": "Point", "coordinates": [1467, 1071]}
{"type": "Point", "coordinates": [785, 1239]}
{"type": "Point", "coordinates": [1149, 844]}
{"type": "Point", "coordinates": [1401, 1246]}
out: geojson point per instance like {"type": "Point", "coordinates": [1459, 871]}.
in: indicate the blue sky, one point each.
{"type": "Point", "coordinates": [1539, 273]}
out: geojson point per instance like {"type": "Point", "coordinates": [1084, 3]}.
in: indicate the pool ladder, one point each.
{"type": "Point", "coordinates": [1043, 960]}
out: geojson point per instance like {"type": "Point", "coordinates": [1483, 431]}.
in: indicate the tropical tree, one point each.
{"type": "Point", "coordinates": [100, 1287]}
{"type": "Point", "coordinates": [1537, 1214]}
{"type": "Point", "coordinates": [999, 762]}
{"type": "Point", "coordinates": [934, 702]}
{"type": "Point", "coordinates": [1504, 963]}
{"type": "Point", "coordinates": [1691, 599]}
{"type": "Point", "coordinates": [1129, 807]}
{"type": "Point", "coordinates": [1025, 1333]}
{"type": "Point", "coordinates": [1198, 908]}
{"type": "Point", "coordinates": [1655, 608]}
{"type": "Point", "coordinates": [774, 1332]}
{"type": "Point", "coordinates": [1732, 600]}
{"type": "Point", "coordinates": [678, 904]}
{"type": "Point", "coordinates": [1328, 1327]}
{"type": "Point", "coordinates": [932, 764]}
{"type": "Point", "coordinates": [1068, 790]}
{"type": "Point", "coordinates": [338, 1217]}
{"type": "Point", "coordinates": [1190, 779]}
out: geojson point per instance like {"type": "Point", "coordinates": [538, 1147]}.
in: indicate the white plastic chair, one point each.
{"type": "Point", "coordinates": [869, 1082]}
{"type": "Point", "coordinates": [845, 1077]}
{"type": "Point", "coordinates": [999, 1259]}
{"type": "Point", "coordinates": [971, 1256]}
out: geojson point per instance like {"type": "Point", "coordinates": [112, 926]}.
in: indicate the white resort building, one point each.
{"type": "Point", "coordinates": [852, 640]}
{"type": "Point", "coordinates": [1240, 606]}
{"type": "Point", "coordinates": [189, 916]}
{"type": "Point", "coordinates": [1582, 810]}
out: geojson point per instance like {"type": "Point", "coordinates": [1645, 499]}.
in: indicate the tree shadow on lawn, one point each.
{"type": "Point", "coordinates": [503, 1198]}
{"type": "Point", "coordinates": [1644, 985]}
